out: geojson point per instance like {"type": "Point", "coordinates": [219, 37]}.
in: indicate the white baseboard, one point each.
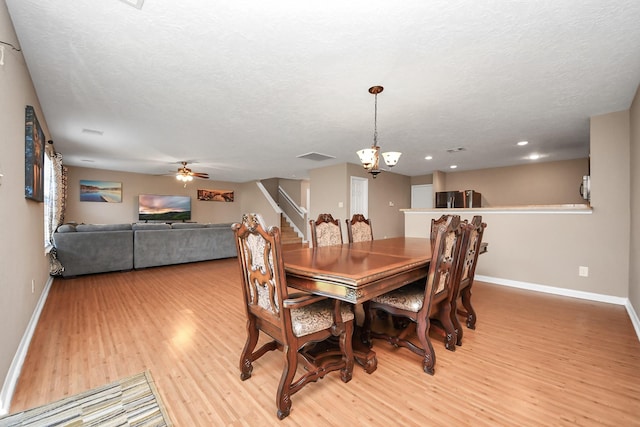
{"type": "Point", "coordinates": [9, 386]}
{"type": "Point", "coordinates": [567, 293]}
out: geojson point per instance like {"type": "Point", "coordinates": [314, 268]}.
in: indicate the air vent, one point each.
{"type": "Point", "coordinates": [92, 131]}
{"type": "Point", "coordinates": [135, 3]}
{"type": "Point", "coordinates": [318, 157]}
{"type": "Point", "coordinates": [456, 150]}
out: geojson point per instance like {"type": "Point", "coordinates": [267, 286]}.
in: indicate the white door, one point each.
{"type": "Point", "coordinates": [359, 196]}
{"type": "Point", "coordinates": [422, 196]}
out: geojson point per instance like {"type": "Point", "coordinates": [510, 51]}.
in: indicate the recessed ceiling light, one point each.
{"type": "Point", "coordinates": [428, 158]}
{"type": "Point", "coordinates": [521, 143]}
{"type": "Point", "coordinates": [534, 157]}
{"type": "Point", "coordinates": [453, 166]}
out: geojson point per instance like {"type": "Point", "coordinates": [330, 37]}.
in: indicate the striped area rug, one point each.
{"type": "Point", "coordinates": [132, 401]}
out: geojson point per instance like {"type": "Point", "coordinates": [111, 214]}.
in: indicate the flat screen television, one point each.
{"type": "Point", "coordinates": [153, 207]}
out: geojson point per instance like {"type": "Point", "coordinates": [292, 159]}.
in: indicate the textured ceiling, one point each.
{"type": "Point", "coordinates": [243, 87]}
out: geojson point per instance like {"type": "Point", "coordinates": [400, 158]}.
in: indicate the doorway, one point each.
{"type": "Point", "coordinates": [359, 197]}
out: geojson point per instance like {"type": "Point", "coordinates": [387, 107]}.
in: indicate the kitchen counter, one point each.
{"type": "Point", "coordinates": [523, 209]}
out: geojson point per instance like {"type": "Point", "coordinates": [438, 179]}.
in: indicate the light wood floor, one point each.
{"type": "Point", "coordinates": [534, 359]}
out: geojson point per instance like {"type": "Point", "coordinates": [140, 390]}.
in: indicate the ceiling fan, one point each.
{"type": "Point", "coordinates": [186, 175]}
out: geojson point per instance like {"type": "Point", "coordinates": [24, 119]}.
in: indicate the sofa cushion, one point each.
{"type": "Point", "coordinates": [151, 226]}
{"type": "Point", "coordinates": [182, 225]}
{"type": "Point", "coordinates": [103, 227]}
{"type": "Point", "coordinates": [66, 228]}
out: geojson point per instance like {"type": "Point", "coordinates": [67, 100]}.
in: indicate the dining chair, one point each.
{"type": "Point", "coordinates": [294, 322]}
{"type": "Point", "coordinates": [467, 271]}
{"type": "Point", "coordinates": [325, 231]}
{"type": "Point", "coordinates": [420, 302]}
{"type": "Point", "coordinates": [359, 229]}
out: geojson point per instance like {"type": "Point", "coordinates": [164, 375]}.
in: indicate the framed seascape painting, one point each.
{"type": "Point", "coordinates": [100, 191]}
{"type": "Point", "coordinates": [33, 157]}
{"type": "Point", "coordinates": [216, 195]}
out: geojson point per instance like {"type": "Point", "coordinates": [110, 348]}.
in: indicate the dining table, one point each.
{"type": "Point", "coordinates": [357, 272]}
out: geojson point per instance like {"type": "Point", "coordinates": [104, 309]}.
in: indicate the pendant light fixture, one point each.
{"type": "Point", "coordinates": [370, 157]}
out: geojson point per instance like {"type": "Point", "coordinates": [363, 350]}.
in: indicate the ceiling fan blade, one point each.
{"type": "Point", "coordinates": [201, 175]}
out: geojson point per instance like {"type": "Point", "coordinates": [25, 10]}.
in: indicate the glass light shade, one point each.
{"type": "Point", "coordinates": [184, 178]}
{"type": "Point", "coordinates": [369, 157]}
{"type": "Point", "coordinates": [391, 158]}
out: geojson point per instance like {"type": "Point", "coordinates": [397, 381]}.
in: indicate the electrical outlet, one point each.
{"type": "Point", "coordinates": [33, 286]}
{"type": "Point", "coordinates": [583, 271]}
{"type": "Point", "coordinates": [340, 205]}
{"type": "Point", "coordinates": [391, 204]}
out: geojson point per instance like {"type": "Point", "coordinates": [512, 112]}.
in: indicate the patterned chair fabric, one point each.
{"type": "Point", "coordinates": [325, 231]}
{"type": "Point", "coordinates": [359, 229]}
{"type": "Point", "coordinates": [424, 303]}
{"type": "Point", "coordinates": [292, 321]}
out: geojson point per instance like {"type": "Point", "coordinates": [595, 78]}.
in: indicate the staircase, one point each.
{"type": "Point", "coordinates": [288, 235]}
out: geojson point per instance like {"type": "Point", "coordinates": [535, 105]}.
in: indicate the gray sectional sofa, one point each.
{"type": "Point", "coordinates": [99, 248]}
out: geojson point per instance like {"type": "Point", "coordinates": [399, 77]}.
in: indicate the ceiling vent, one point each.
{"type": "Point", "coordinates": [456, 150]}
{"type": "Point", "coordinates": [318, 157]}
{"type": "Point", "coordinates": [135, 3]}
{"type": "Point", "coordinates": [92, 131]}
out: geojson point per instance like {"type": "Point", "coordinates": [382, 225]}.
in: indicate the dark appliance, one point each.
{"type": "Point", "coordinates": [472, 199]}
{"type": "Point", "coordinates": [449, 199]}
{"type": "Point", "coordinates": [458, 199]}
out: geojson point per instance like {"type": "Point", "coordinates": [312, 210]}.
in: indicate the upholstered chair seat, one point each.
{"type": "Point", "coordinates": [317, 317]}
{"type": "Point", "coordinates": [408, 298]}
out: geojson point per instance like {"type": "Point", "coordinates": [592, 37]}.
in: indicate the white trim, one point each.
{"type": "Point", "coordinates": [567, 293]}
{"type": "Point", "coordinates": [9, 386]}
{"type": "Point", "coordinates": [553, 290]}
{"type": "Point", "coordinates": [299, 209]}
{"type": "Point", "coordinates": [273, 203]}
{"type": "Point", "coordinates": [634, 317]}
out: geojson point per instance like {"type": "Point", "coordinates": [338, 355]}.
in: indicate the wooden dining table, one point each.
{"type": "Point", "coordinates": [357, 272]}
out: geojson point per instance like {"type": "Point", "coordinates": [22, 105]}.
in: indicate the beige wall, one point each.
{"type": "Point", "coordinates": [549, 183]}
{"type": "Point", "coordinates": [134, 184]}
{"type": "Point", "coordinates": [331, 186]}
{"type": "Point", "coordinates": [634, 249]}
{"type": "Point", "coordinates": [547, 249]}
{"type": "Point", "coordinates": [22, 258]}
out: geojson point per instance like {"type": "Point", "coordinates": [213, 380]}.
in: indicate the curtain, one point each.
{"type": "Point", "coordinates": [55, 195]}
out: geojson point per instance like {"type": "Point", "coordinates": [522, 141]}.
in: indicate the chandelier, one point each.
{"type": "Point", "coordinates": [370, 157]}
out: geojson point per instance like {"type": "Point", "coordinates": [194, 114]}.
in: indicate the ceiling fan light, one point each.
{"type": "Point", "coordinates": [391, 158]}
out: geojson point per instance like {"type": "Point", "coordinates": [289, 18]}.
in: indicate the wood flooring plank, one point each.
{"type": "Point", "coordinates": [533, 360]}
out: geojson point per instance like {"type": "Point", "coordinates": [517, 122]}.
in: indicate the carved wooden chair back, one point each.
{"type": "Point", "coordinates": [359, 229]}
{"type": "Point", "coordinates": [292, 321]}
{"type": "Point", "coordinates": [467, 271]}
{"type": "Point", "coordinates": [325, 231]}
{"type": "Point", "coordinates": [420, 302]}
